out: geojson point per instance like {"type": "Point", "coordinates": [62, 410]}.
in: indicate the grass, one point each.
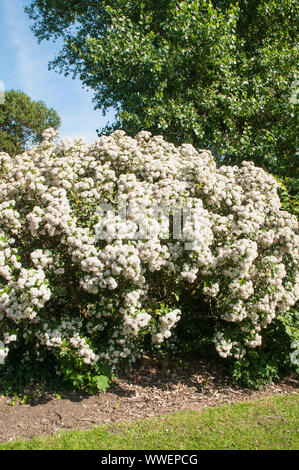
{"type": "Point", "coordinates": [267, 424]}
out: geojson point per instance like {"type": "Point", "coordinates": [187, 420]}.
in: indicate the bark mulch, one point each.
{"type": "Point", "coordinates": [147, 391]}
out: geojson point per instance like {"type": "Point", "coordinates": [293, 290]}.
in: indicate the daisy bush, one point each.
{"type": "Point", "coordinates": [104, 246]}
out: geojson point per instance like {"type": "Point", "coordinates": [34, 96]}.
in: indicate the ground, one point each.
{"type": "Point", "coordinates": [147, 391]}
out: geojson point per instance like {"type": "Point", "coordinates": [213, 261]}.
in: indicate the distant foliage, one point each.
{"type": "Point", "coordinates": [288, 190]}
{"type": "Point", "coordinates": [22, 122]}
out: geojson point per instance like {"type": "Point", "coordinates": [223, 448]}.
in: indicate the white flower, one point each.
{"type": "Point", "coordinates": [231, 237]}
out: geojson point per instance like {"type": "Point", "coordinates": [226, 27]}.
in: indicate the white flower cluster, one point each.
{"type": "Point", "coordinates": [41, 259]}
{"type": "Point", "coordinates": [212, 290]}
{"type": "Point", "coordinates": [226, 347]}
{"type": "Point", "coordinates": [100, 274]}
{"type": "Point", "coordinates": [49, 134]}
{"type": "Point", "coordinates": [3, 352]}
{"type": "Point", "coordinates": [83, 349]}
{"type": "Point", "coordinates": [295, 353]}
{"type": "Point", "coordinates": [163, 329]}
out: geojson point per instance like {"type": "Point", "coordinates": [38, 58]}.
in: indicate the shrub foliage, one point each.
{"type": "Point", "coordinates": [124, 246]}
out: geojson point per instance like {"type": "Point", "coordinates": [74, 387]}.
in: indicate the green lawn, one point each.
{"type": "Point", "coordinates": [268, 424]}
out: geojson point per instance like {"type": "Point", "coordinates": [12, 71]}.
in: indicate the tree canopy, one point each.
{"type": "Point", "coordinates": [22, 122]}
{"type": "Point", "coordinates": [217, 74]}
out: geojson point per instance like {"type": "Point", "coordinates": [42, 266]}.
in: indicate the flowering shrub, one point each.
{"type": "Point", "coordinates": [101, 245]}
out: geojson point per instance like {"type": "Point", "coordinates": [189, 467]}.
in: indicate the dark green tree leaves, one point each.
{"type": "Point", "coordinates": [22, 122]}
{"type": "Point", "coordinates": [217, 74]}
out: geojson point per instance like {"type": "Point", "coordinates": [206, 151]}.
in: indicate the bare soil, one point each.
{"type": "Point", "coordinates": [147, 391]}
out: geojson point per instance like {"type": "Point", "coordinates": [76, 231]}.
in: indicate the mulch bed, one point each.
{"type": "Point", "coordinates": [147, 391]}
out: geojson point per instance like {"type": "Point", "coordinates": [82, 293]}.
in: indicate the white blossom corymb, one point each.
{"type": "Point", "coordinates": [295, 352]}
{"type": "Point", "coordinates": [78, 275]}
{"type": "Point", "coordinates": [3, 352]}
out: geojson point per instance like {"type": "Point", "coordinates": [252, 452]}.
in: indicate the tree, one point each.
{"type": "Point", "coordinates": [211, 73]}
{"type": "Point", "coordinates": [22, 122]}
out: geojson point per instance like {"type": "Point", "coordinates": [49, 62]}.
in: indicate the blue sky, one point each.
{"type": "Point", "coordinates": [24, 66]}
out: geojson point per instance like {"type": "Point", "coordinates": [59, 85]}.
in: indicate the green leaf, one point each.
{"type": "Point", "coordinates": [102, 382]}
